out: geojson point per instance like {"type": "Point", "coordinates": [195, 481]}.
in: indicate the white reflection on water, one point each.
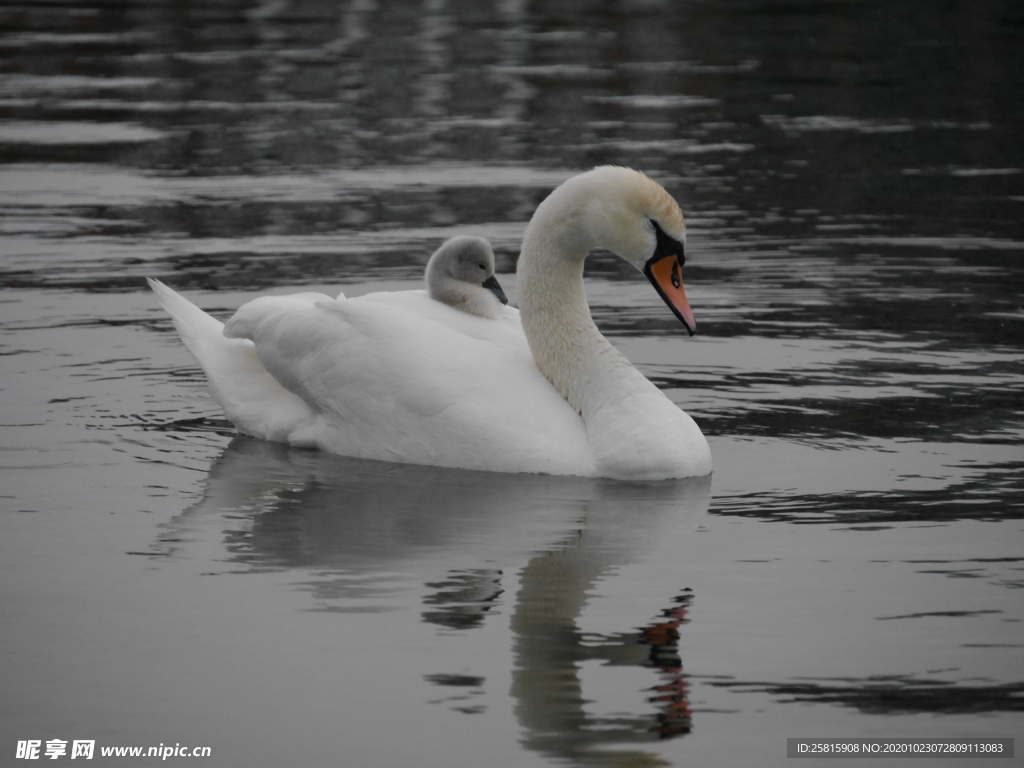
{"type": "Point", "coordinates": [357, 514]}
{"type": "Point", "coordinates": [357, 534]}
{"type": "Point", "coordinates": [71, 133]}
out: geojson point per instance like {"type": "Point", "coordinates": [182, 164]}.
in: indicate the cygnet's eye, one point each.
{"type": "Point", "coordinates": [482, 267]}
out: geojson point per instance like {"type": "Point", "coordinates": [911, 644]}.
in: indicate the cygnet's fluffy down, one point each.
{"type": "Point", "coordinates": [461, 275]}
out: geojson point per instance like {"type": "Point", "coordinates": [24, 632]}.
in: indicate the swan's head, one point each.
{"type": "Point", "coordinates": [635, 218]}
{"type": "Point", "coordinates": [461, 274]}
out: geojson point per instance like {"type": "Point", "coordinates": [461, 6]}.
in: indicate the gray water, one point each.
{"type": "Point", "coordinates": [853, 180]}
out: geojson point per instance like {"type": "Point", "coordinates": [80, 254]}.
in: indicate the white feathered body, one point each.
{"type": "Point", "coordinates": [402, 377]}
{"type": "Point", "coordinates": [388, 376]}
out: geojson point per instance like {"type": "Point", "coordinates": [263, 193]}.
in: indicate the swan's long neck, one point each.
{"type": "Point", "coordinates": [633, 430]}
{"type": "Point", "coordinates": [566, 344]}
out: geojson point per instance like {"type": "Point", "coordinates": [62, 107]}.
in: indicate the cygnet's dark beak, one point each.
{"type": "Point", "coordinates": [491, 284]}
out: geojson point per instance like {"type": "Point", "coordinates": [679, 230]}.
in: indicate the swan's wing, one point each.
{"type": "Point", "coordinates": [250, 397]}
{"type": "Point", "coordinates": [505, 331]}
{"type": "Point", "coordinates": [428, 387]}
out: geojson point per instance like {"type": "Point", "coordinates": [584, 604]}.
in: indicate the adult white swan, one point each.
{"type": "Point", "coordinates": [401, 377]}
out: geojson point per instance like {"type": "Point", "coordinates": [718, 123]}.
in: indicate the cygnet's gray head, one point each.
{"type": "Point", "coordinates": [461, 274]}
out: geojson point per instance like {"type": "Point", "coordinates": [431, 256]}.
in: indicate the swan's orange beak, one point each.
{"type": "Point", "coordinates": [666, 275]}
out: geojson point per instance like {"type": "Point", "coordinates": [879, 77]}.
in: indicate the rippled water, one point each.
{"type": "Point", "coordinates": [853, 180]}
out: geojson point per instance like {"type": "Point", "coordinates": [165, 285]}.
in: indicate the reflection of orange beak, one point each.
{"type": "Point", "coordinates": [666, 275]}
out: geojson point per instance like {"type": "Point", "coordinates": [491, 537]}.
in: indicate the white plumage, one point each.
{"type": "Point", "coordinates": [402, 377]}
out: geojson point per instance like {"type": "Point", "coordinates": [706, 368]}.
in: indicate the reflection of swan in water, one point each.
{"type": "Point", "coordinates": [550, 648]}
{"type": "Point", "coordinates": [455, 531]}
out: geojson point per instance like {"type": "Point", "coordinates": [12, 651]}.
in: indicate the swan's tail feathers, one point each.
{"type": "Point", "coordinates": [249, 395]}
{"type": "Point", "coordinates": [201, 333]}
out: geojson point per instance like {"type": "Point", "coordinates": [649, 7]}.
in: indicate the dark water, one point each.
{"type": "Point", "coordinates": [853, 179]}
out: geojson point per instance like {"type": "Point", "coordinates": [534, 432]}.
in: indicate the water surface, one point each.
{"type": "Point", "coordinates": [853, 182]}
